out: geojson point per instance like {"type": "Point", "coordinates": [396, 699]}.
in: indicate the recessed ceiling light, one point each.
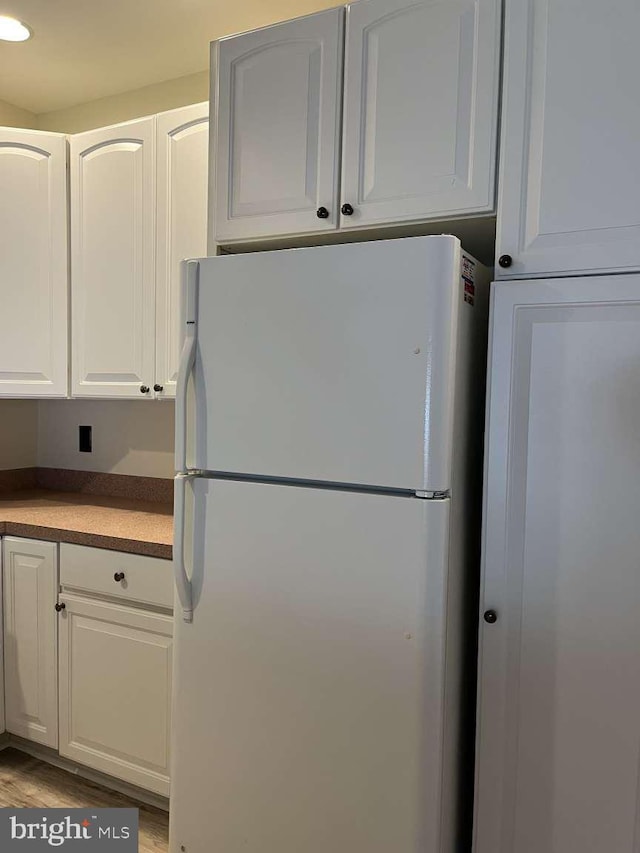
{"type": "Point", "coordinates": [13, 30]}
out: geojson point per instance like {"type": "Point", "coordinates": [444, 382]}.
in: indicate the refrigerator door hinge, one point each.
{"type": "Point", "coordinates": [434, 496]}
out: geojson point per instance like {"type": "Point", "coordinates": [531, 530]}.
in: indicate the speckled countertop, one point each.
{"type": "Point", "coordinates": [119, 524]}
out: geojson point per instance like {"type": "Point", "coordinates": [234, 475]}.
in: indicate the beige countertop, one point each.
{"type": "Point", "coordinates": [119, 524]}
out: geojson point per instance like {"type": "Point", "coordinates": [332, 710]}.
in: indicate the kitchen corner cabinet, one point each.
{"type": "Point", "coordinates": [138, 207]}
{"type": "Point", "coordinates": [30, 582]}
{"type": "Point", "coordinates": [569, 200]}
{"type": "Point", "coordinates": [33, 264]}
{"type": "Point", "coordinates": [277, 128]}
{"type": "Point", "coordinates": [418, 92]}
{"type": "Point", "coordinates": [559, 671]}
{"type": "Point", "coordinates": [181, 232]}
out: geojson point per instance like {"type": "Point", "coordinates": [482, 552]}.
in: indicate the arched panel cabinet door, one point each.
{"type": "Point", "coordinates": [559, 671]}
{"type": "Point", "coordinates": [33, 264]}
{"type": "Point", "coordinates": [278, 95]}
{"type": "Point", "coordinates": [182, 153]}
{"type": "Point", "coordinates": [569, 199]}
{"type": "Point", "coordinates": [420, 110]}
{"type": "Point", "coordinates": [113, 183]}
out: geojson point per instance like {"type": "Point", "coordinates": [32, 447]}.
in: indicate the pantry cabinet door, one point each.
{"type": "Point", "coordinates": [33, 264]}
{"type": "Point", "coordinates": [559, 670]}
{"type": "Point", "coordinates": [113, 260]}
{"type": "Point", "coordinates": [569, 197]}
{"type": "Point", "coordinates": [30, 641]}
{"type": "Point", "coordinates": [115, 690]}
{"type": "Point", "coordinates": [278, 94]}
{"type": "Point", "coordinates": [182, 153]}
{"type": "Point", "coordinates": [420, 109]}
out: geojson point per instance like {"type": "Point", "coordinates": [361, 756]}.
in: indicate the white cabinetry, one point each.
{"type": "Point", "coordinates": [559, 698]}
{"type": "Point", "coordinates": [33, 264]}
{"type": "Point", "coordinates": [420, 118]}
{"type": "Point", "coordinates": [420, 109]}
{"type": "Point", "coordinates": [138, 207]}
{"type": "Point", "coordinates": [569, 199]}
{"type": "Point", "coordinates": [30, 647]}
{"type": "Point", "coordinates": [181, 232]}
{"type": "Point", "coordinates": [113, 185]}
{"type": "Point", "coordinates": [115, 664]}
{"type": "Point", "coordinates": [278, 125]}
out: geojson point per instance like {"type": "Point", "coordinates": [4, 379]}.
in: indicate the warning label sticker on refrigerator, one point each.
{"type": "Point", "coordinates": [468, 277]}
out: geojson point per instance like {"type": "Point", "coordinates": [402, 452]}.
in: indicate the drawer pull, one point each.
{"type": "Point", "coordinates": [60, 607]}
{"type": "Point", "coordinates": [119, 576]}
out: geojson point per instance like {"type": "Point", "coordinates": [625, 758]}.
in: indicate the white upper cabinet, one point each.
{"type": "Point", "coordinates": [113, 182]}
{"type": "Point", "coordinates": [33, 264]}
{"type": "Point", "coordinates": [559, 686]}
{"type": "Point", "coordinates": [569, 199]}
{"type": "Point", "coordinates": [182, 162]}
{"type": "Point", "coordinates": [277, 130]}
{"type": "Point", "coordinates": [420, 109]}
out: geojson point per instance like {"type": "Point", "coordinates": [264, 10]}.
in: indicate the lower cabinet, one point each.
{"type": "Point", "coordinates": [30, 583]}
{"type": "Point", "coordinates": [115, 690]}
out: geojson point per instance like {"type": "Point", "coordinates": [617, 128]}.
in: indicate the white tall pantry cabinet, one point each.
{"type": "Point", "coordinates": [559, 703]}
{"type": "Point", "coordinates": [33, 264]}
{"type": "Point", "coordinates": [569, 199]}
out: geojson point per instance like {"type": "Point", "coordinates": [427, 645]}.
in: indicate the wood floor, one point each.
{"type": "Point", "coordinates": [29, 782]}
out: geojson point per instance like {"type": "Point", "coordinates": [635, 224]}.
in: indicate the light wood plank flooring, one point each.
{"type": "Point", "coordinates": [29, 782]}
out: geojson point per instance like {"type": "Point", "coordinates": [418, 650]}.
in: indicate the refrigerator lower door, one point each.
{"type": "Point", "coordinates": [333, 364]}
{"type": "Point", "coordinates": [309, 688]}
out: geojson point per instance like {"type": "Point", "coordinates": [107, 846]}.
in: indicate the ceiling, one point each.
{"type": "Point", "coordinates": [87, 49]}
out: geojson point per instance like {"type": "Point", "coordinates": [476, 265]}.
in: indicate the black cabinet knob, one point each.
{"type": "Point", "coordinates": [157, 387]}
{"type": "Point", "coordinates": [60, 607]}
{"type": "Point", "coordinates": [144, 389]}
{"type": "Point", "coordinates": [119, 576]}
{"type": "Point", "coordinates": [322, 213]}
{"type": "Point", "coordinates": [505, 261]}
{"type": "Point", "coordinates": [490, 616]}
{"type": "Point", "coordinates": [347, 209]}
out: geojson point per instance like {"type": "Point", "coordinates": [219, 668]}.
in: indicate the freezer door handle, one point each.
{"type": "Point", "coordinates": [183, 584]}
{"type": "Point", "coordinates": [189, 282]}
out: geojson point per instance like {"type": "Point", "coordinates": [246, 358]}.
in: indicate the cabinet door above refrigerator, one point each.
{"type": "Point", "coordinates": [333, 364]}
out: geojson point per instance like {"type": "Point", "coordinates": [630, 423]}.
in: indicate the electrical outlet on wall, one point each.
{"type": "Point", "coordinates": [84, 439]}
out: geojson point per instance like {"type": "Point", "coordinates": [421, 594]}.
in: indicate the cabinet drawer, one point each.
{"type": "Point", "coordinates": [146, 579]}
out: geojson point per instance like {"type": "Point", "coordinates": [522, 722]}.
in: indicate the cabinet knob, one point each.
{"type": "Point", "coordinates": [119, 576]}
{"type": "Point", "coordinates": [347, 209]}
{"type": "Point", "coordinates": [61, 606]}
{"type": "Point", "coordinates": [505, 261]}
{"type": "Point", "coordinates": [157, 387]}
{"type": "Point", "coordinates": [322, 213]}
{"type": "Point", "coordinates": [490, 616]}
{"type": "Point", "coordinates": [144, 389]}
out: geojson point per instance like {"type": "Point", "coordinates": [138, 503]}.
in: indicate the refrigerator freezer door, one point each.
{"type": "Point", "coordinates": [333, 364]}
{"type": "Point", "coordinates": [309, 687]}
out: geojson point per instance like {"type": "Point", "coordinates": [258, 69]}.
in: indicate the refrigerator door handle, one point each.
{"type": "Point", "coordinates": [189, 275]}
{"type": "Point", "coordinates": [183, 584]}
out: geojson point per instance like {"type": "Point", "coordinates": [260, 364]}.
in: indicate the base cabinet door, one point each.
{"type": "Point", "coordinates": [115, 690]}
{"type": "Point", "coordinates": [33, 264]}
{"type": "Point", "coordinates": [30, 644]}
{"type": "Point", "coordinates": [559, 689]}
{"type": "Point", "coordinates": [568, 196]}
{"type": "Point", "coordinates": [420, 110]}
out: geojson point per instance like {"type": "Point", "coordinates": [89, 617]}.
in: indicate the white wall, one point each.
{"type": "Point", "coordinates": [129, 437]}
{"type": "Point", "coordinates": [12, 116]}
{"type": "Point", "coordinates": [18, 434]}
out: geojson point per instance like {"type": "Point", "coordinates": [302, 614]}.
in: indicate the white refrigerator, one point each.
{"type": "Point", "coordinates": [328, 425]}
